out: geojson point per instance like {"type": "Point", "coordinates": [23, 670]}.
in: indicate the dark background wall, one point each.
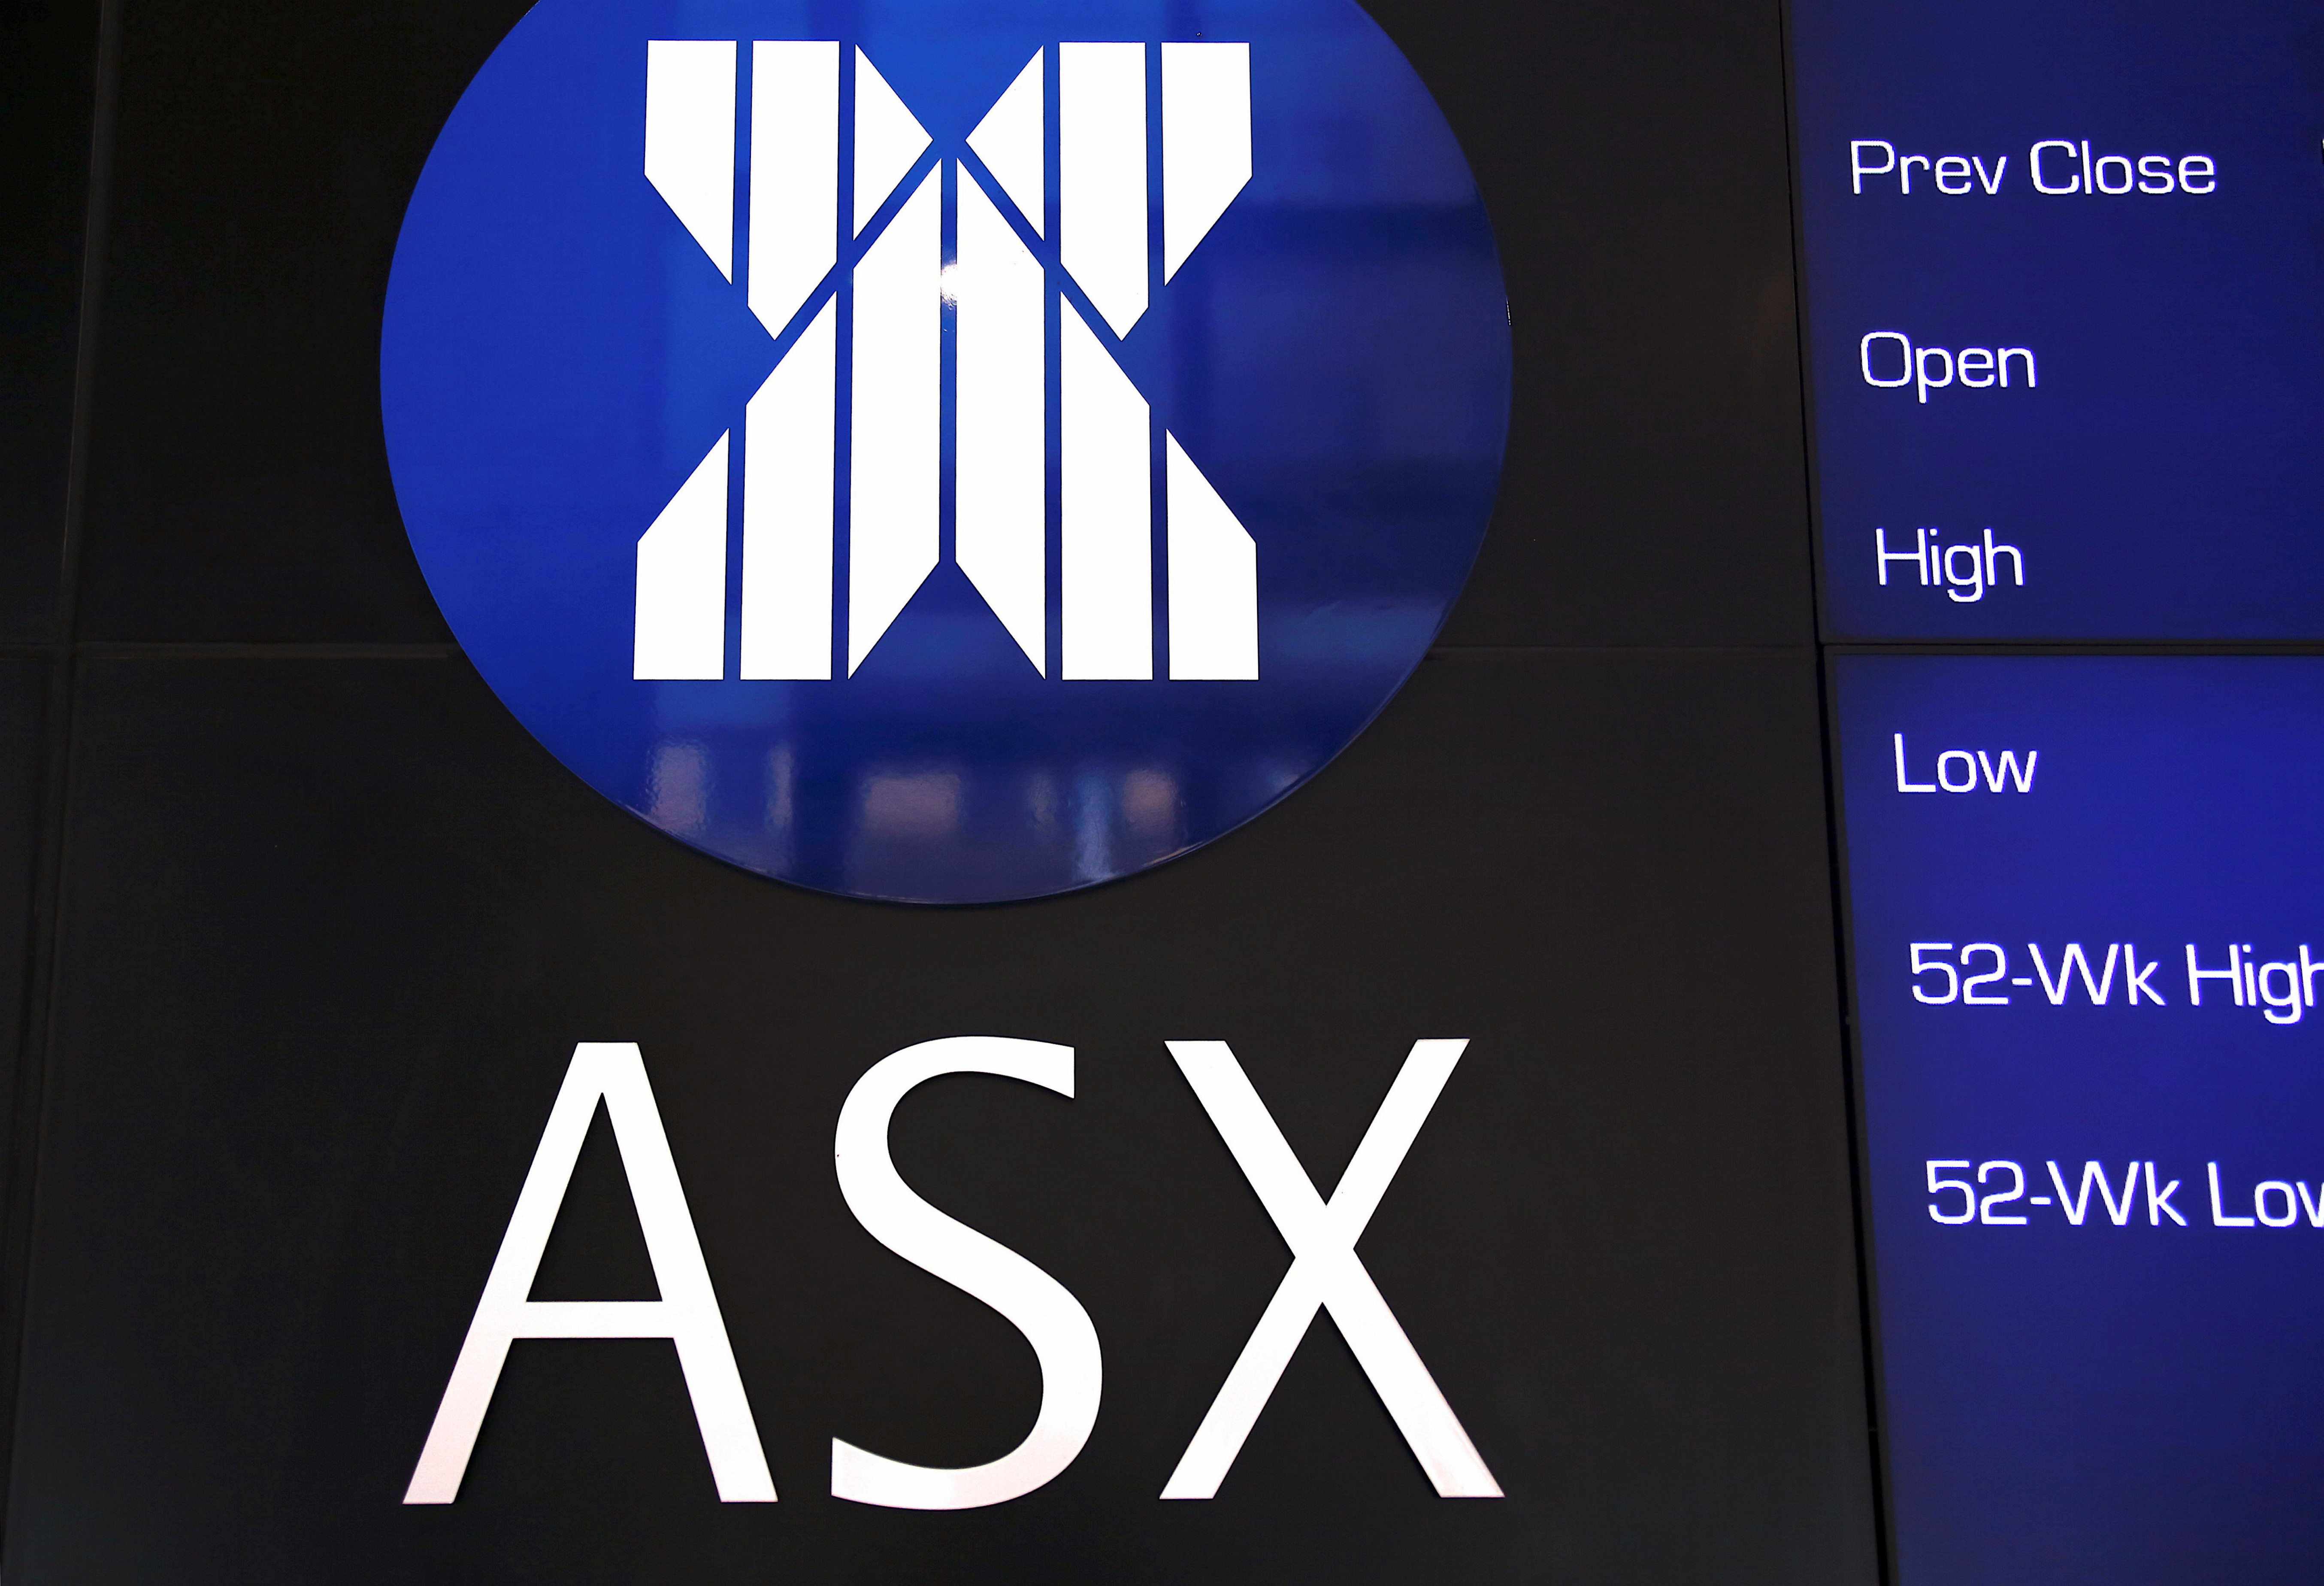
{"type": "Point", "coordinates": [313, 926]}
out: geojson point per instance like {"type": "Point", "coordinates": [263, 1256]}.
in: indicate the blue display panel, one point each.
{"type": "Point", "coordinates": [2089, 942]}
{"type": "Point", "coordinates": [2066, 307]}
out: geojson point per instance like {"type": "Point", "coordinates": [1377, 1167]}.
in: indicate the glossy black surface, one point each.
{"type": "Point", "coordinates": [47, 51]}
{"type": "Point", "coordinates": [265, 153]}
{"type": "Point", "coordinates": [331, 928]}
{"type": "Point", "coordinates": [24, 698]}
{"type": "Point", "coordinates": [1632, 160]}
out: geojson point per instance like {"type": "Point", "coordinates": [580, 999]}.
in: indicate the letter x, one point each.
{"type": "Point", "coordinates": [1325, 1272]}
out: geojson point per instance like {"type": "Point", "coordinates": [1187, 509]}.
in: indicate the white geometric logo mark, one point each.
{"type": "Point", "coordinates": [995, 289]}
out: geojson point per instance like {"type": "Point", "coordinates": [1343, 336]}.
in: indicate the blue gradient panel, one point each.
{"type": "Point", "coordinates": [559, 353]}
{"type": "Point", "coordinates": [2163, 476]}
{"type": "Point", "coordinates": [2136, 1398]}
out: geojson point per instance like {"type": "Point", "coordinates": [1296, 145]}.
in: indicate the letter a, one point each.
{"type": "Point", "coordinates": [687, 1314]}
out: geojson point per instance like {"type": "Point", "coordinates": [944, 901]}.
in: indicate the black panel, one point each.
{"type": "Point", "coordinates": [1633, 158]}
{"type": "Point", "coordinates": [23, 695]}
{"type": "Point", "coordinates": [332, 929]}
{"type": "Point", "coordinates": [48, 51]}
{"type": "Point", "coordinates": [265, 153]}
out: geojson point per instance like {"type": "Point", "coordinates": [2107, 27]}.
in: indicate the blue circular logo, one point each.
{"type": "Point", "coordinates": [946, 453]}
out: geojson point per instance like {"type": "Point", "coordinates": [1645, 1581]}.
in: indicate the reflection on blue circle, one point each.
{"type": "Point", "coordinates": [561, 354]}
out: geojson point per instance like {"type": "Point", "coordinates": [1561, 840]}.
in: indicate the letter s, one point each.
{"type": "Point", "coordinates": [1053, 1321]}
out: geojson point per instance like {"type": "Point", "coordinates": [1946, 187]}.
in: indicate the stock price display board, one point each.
{"type": "Point", "coordinates": [2088, 953]}
{"type": "Point", "coordinates": [2065, 301]}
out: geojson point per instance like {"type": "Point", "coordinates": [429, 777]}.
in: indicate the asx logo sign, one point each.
{"type": "Point", "coordinates": [931, 460]}
{"type": "Point", "coordinates": [1326, 1275]}
{"type": "Point", "coordinates": [946, 326]}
